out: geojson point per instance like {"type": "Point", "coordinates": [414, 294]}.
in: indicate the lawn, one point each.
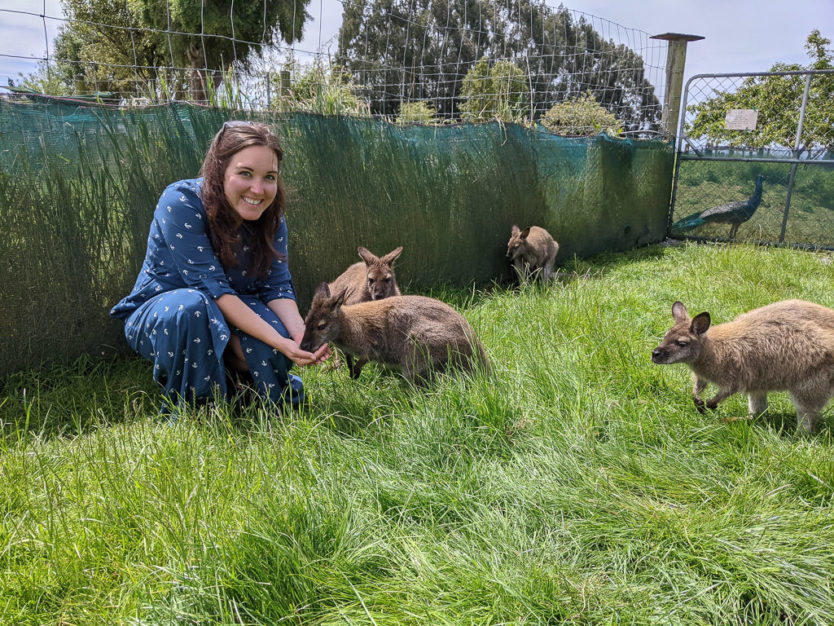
{"type": "Point", "coordinates": [578, 484]}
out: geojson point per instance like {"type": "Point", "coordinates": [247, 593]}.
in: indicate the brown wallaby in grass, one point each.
{"type": "Point", "coordinates": [370, 279]}
{"type": "Point", "coordinates": [418, 335]}
{"type": "Point", "coordinates": [532, 249]}
{"type": "Point", "coordinates": [784, 346]}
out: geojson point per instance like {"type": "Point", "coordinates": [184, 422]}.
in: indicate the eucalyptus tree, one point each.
{"type": "Point", "coordinates": [408, 50]}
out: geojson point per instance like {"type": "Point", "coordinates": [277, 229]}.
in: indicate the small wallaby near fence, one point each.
{"type": "Point", "coordinates": [756, 159]}
{"type": "Point", "coordinates": [78, 186]}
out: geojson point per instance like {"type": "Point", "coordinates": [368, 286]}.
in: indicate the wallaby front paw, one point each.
{"type": "Point", "coordinates": [699, 404]}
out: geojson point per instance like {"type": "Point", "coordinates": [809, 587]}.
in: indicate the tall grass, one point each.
{"type": "Point", "coordinates": [577, 485]}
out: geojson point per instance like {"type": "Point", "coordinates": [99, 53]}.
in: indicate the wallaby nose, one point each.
{"type": "Point", "coordinates": [657, 353]}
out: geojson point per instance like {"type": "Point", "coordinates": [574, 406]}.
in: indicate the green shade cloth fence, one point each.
{"type": "Point", "coordinates": [79, 183]}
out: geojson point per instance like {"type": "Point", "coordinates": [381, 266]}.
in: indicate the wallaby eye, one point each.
{"type": "Point", "coordinates": [682, 342]}
{"type": "Point", "coordinates": [370, 281]}
{"type": "Point", "coordinates": [321, 325]}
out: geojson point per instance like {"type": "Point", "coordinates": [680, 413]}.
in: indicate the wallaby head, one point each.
{"type": "Point", "coordinates": [517, 245]}
{"type": "Point", "coordinates": [684, 341]}
{"type": "Point", "coordinates": [381, 281]}
{"type": "Point", "coordinates": [322, 323]}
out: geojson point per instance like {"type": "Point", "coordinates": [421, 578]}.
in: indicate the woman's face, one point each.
{"type": "Point", "coordinates": [251, 181]}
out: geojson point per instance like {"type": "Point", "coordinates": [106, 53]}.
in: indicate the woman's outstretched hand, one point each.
{"type": "Point", "coordinates": [301, 357]}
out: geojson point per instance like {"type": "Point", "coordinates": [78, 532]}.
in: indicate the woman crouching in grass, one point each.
{"type": "Point", "coordinates": [215, 289]}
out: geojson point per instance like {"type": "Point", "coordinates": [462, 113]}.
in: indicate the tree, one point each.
{"type": "Point", "coordinates": [777, 99]}
{"type": "Point", "coordinates": [100, 50]}
{"type": "Point", "coordinates": [231, 30]}
{"type": "Point", "coordinates": [405, 50]}
{"type": "Point", "coordinates": [112, 44]}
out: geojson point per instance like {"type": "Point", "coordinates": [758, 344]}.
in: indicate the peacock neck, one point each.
{"type": "Point", "coordinates": [757, 193]}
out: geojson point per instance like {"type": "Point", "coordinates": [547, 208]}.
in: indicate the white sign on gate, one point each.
{"type": "Point", "coordinates": [741, 119]}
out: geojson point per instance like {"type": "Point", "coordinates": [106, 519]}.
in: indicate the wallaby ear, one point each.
{"type": "Point", "coordinates": [389, 258]}
{"type": "Point", "coordinates": [367, 256]}
{"type": "Point", "coordinates": [700, 323]}
{"type": "Point", "coordinates": [525, 232]}
{"type": "Point", "coordinates": [322, 291]}
{"type": "Point", "coordinates": [679, 311]}
{"type": "Point", "coordinates": [515, 230]}
{"type": "Point", "coordinates": [340, 299]}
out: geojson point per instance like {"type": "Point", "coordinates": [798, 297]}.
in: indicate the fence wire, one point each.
{"type": "Point", "coordinates": [416, 60]}
{"type": "Point", "coordinates": [756, 159]}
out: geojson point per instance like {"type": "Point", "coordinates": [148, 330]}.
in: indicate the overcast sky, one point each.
{"type": "Point", "coordinates": [740, 35]}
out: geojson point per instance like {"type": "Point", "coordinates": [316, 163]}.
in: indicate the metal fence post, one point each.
{"type": "Point", "coordinates": [268, 94]}
{"type": "Point", "coordinates": [796, 151]}
{"type": "Point", "coordinates": [675, 63]}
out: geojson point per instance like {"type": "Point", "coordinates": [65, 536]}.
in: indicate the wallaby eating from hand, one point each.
{"type": "Point", "coordinates": [372, 278]}
{"type": "Point", "coordinates": [415, 334]}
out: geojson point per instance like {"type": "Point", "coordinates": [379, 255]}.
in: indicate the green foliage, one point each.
{"type": "Point", "coordinates": [439, 41]}
{"type": "Point", "coordinates": [494, 93]}
{"type": "Point", "coordinates": [118, 46]}
{"type": "Point", "coordinates": [778, 100]}
{"type": "Point", "coordinates": [577, 486]}
{"type": "Point", "coordinates": [320, 88]}
{"type": "Point", "coordinates": [228, 94]}
{"type": "Point", "coordinates": [96, 49]}
{"type": "Point", "coordinates": [45, 80]}
{"type": "Point", "coordinates": [581, 115]}
{"type": "Point", "coordinates": [417, 112]}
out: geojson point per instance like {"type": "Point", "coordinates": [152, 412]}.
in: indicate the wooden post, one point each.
{"type": "Point", "coordinates": [675, 63]}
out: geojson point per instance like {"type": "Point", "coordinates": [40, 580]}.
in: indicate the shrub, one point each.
{"type": "Point", "coordinates": [581, 115]}
{"type": "Point", "coordinates": [420, 112]}
{"type": "Point", "coordinates": [498, 93]}
{"type": "Point", "coordinates": [328, 90]}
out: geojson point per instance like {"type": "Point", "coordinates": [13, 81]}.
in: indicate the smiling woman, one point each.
{"type": "Point", "coordinates": [215, 289]}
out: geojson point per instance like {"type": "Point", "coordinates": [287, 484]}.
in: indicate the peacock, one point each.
{"type": "Point", "coordinates": [734, 213]}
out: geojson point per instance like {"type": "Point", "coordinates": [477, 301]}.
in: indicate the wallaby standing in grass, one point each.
{"type": "Point", "coordinates": [370, 279]}
{"type": "Point", "coordinates": [416, 334]}
{"type": "Point", "coordinates": [784, 346]}
{"type": "Point", "coordinates": [531, 249]}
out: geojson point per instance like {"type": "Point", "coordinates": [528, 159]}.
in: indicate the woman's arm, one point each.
{"type": "Point", "coordinates": [237, 313]}
{"type": "Point", "coordinates": [287, 311]}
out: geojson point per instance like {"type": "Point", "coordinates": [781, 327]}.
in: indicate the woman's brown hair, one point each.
{"type": "Point", "coordinates": [223, 220]}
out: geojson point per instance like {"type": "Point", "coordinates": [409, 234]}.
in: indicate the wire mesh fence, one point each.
{"type": "Point", "coordinates": [83, 159]}
{"type": "Point", "coordinates": [756, 159]}
{"type": "Point", "coordinates": [413, 60]}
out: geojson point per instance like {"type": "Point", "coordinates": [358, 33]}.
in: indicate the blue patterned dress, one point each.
{"type": "Point", "coordinates": [172, 319]}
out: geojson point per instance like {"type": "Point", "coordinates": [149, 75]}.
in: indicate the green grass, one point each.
{"type": "Point", "coordinates": [578, 485]}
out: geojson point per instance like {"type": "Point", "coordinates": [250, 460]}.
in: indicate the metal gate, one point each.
{"type": "Point", "coordinates": [755, 159]}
